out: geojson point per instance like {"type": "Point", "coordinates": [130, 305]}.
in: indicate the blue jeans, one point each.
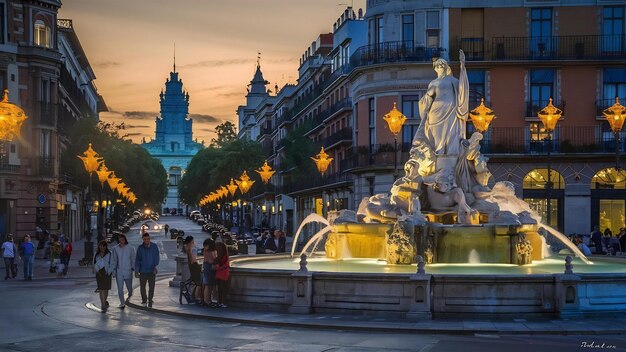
{"type": "Point", "coordinates": [120, 287]}
{"type": "Point", "coordinates": [65, 260]}
{"type": "Point", "coordinates": [29, 264]}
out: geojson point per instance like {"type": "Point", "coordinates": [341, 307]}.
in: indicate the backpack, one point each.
{"type": "Point", "coordinates": [68, 249]}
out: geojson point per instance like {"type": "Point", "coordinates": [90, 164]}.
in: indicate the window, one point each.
{"type": "Point", "coordinates": [476, 80]}
{"type": "Point", "coordinates": [614, 85]}
{"type": "Point", "coordinates": [613, 29]}
{"type": "Point", "coordinates": [2, 23]}
{"type": "Point", "coordinates": [372, 122]}
{"type": "Point", "coordinates": [410, 109]}
{"type": "Point", "coordinates": [379, 29]}
{"type": "Point", "coordinates": [407, 28]}
{"type": "Point", "coordinates": [42, 34]}
{"type": "Point", "coordinates": [541, 89]}
{"type": "Point", "coordinates": [45, 91]}
{"type": "Point", "coordinates": [432, 29]}
{"type": "Point", "coordinates": [540, 31]}
{"type": "Point", "coordinates": [44, 144]}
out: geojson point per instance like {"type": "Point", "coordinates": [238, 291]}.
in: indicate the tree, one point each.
{"type": "Point", "coordinates": [144, 174]}
{"type": "Point", "coordinates": [298, 152]}
{"type": "Point", "coordinates": [226, 132]}
{"type": "Point", "coordinates": [215, 166]}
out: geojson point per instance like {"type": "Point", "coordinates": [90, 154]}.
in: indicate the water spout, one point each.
{"type": "Point", "coordinates": [310, 218]}
{"type": "Point", "coordinates": [568, 243]}
{"type": "Point", "coordinates": [315, 239]}
{"type": "Point", "coordinates": [474, 257]}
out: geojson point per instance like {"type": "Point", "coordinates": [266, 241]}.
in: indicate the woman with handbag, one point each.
{"type": "Point", "coordinates": [222, 273]}
{"type": "Point", "coordinates": [102, 269]}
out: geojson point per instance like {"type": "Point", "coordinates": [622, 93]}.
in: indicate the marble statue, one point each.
{"type": "Point", "coordinates": [444, 109]}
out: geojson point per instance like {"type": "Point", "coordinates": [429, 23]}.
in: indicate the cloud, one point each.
{"type": "Point", "coordinates": [129, 126]}
{"type": "Point", "coordinates": [204, 118]}
{"type": "Point", "coordinates": [220, 63]}
{"type": "Point", "coordinates": [107, 64]}
{"type": "Point", "coordinates": [133, 134]}
{"type": "Point", "coordinates": [139, 115]}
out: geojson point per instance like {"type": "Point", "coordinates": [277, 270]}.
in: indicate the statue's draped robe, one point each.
{"type": "Point", "coordinates": [444, 110]}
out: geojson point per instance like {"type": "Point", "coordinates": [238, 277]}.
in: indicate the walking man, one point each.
{"type": "Point", "coordinates": [146, 261]}
{"type": "Point", "coordinates": [123, 264]}
{"type": "Point", "coordinates": [9, 253]}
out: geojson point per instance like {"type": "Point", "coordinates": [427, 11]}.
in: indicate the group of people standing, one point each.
{"type": "Point", "coordinates": [210, 278]}
{"type": "Point", "coordinates": [606, 243]}
{"type": "Point", "coordinates": [12, 255]}
{"type": "Point", "coordinates": [122, 261]}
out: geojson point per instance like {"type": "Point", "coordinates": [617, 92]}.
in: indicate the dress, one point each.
{"type": "Point", "coordinates": [102, 267]}
{"type": "Point", "coordinates": [444, 110]}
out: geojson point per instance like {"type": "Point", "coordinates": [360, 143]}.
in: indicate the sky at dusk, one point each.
{"type": "Point", "coordinates": [130, 44]}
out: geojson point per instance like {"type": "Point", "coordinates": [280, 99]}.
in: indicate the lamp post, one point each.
{"type": "Point", "coordinates": [91, 162]}
{"type": "Point", "coordinates": [549, 117]}
{"type": "Point", "coordinates": [103, 174]}
{"type": "Point", "coordinates": [615, 116]}
{"type": "Point", "coordinates": [395, 119]}
{"type": "Point", "coordinates": [481, 117]}
{"type": "Point", "coordinates": [244, 183]}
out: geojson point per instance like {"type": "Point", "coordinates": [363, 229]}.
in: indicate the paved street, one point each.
{"type": "Point", "coordinates": [50, 314]}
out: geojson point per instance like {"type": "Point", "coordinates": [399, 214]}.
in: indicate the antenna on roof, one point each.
{"type": "Point", "coordinates": [174, 56]}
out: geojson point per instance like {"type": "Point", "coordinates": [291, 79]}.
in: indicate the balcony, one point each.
{"type": "Point", "coordinates": [45, 114]}
{"type": "Point", "coordinates": [604, 104]}
{"type": "Point", "coordinates": [570, 47]}
{"type": "Point", "coordinates": [44, 167]}
{"type": "Point", "coordinates": [391, 52]}
{"type": "Point", "coordinates": [377, 156]}
{"type": "Point", "coordinates": [9, 168]}
{"type": "Point", "coordinates": [316, 181]}
{"type": "Point", "coordinates": [576, 139]}
{"type": "Point", "coordinates": [343, 135]}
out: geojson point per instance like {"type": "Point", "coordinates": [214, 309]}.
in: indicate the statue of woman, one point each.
{"type": "Point", "coordinates": [444, 109]}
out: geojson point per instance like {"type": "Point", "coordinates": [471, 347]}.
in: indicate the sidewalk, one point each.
{"type": "Point", "coordinates": [166, 302]}
{"type": "Point", "coordinates": [42, 266]}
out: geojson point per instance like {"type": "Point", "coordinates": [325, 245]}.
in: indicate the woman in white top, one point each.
{"type": "Point", "coordinates": [122, 263]}
{"type": "Point", "coordinates": [102, 269]}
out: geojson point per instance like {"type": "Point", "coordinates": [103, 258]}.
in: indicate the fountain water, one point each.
{"type": "Point", "coordinates": [309, 219]}
{"type": "Point", "coordinates": [474, 257]}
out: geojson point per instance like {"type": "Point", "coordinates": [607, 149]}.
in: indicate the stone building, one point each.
{"type": "Point", "coordinates": [173, 143]}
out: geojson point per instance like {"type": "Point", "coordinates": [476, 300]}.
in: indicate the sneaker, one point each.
{"type": "Point", "coordinates": [121, 306]}
{"type": "Point", "coordinates": [144, 303]}
{"type": "Point", "coordinates": [222, 305]}
{"type": "Point", "coordinates": [106, 303]}
{"type": "Point", "coordinates": [150, 304]}
{"type": "Point", "coordinates": [103, 309]}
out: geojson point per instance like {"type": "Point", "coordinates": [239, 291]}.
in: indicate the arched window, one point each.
{"type": "Point", "coordinates": [608, 194]}
{"type": "Point", "coordinates": [42, 34]}
{"type": "Point", "coordinates": [609, 178]}
{"type": "Point", "coordinates": [536, 179]}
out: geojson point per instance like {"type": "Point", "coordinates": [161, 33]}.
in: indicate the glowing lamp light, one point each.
{"type": "Point", "coordinates": [482, 117]}
{"type": "Point", "coordinates": [234, 203]}
{"type": "Point", "coordinates": [120, 186]}
{"type": "Point", "coordinates": [113, 181]}
{"type": "Point", "coordinates": [549, 116]}
{"type": "Point", "coordinates": [264, 208]}
{"type": "Point", "coordinates": [11, 118]}
{"type": "Point", "coordinates": [244, 182]}
{"type": "Point", "coordinates": [91, 160]}
{"type": "Point", "coordinates": [103, 173]}
{"type": "Point", "coordinates": [232, 187]}
{"type": "Point", "coordinates": [395, 119]}
{"type": "Point", "coordinates": [615, 116]}
{"type": "Point", "coordinates": [322, 161]}
{"type": "Point", "coordinates": [265, 172]}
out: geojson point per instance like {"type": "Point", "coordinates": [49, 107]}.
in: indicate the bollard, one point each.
{"type": "Point", "coordinates": [421, 265]}
{"type": "Point", "coordinates": [568, 265]}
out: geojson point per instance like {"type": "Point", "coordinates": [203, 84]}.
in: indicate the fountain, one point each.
{"type": "Point", "coordinates": [479, 244]}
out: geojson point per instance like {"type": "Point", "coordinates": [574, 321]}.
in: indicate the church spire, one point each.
{"type": "Point", "coordinates": [174, 56]}
{"type": "Point", "coordinates": [258, 83]}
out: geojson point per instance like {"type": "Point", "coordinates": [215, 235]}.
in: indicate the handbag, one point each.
{"type": "Point", "coordinates": [222, 274]}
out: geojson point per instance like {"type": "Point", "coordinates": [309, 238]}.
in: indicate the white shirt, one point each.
{"type": "Point", "coordinates": [103, 262]}
{"type": "Point", "coordinates": [122, 261]}
{"type": "Point", "coordinates": [8, 249]}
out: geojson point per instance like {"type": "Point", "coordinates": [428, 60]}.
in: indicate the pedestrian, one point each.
{"type": "Point", "coordinates": [275, 244]}
{"type": "Point", "coordinates": [194, 267]}
{"type": "Point", "coordinates": [66, 254]}
{"type": "Point", "coordinates": [167, 229]}
{"type": "Point", "coordinates": [208, 274]}
{"type": "Point", "coordinates": [55, 253]}
{"type": "Point", "coordinates": [596, 238]}
{"type": "Point", "coordinates": [123, 265]}
{"type": "Point", "coordinates": [9, 253]}
{"type": "Point", "coordinates": [102, 269]}
{"type": "Point", "coordinates": [222, 273]}
{"type": "Point", "coordinates": [146, 262]}
{"type": "Point", "coordinates": [28, 257]}
{"type": "Point", "coordinates": [606, 240]}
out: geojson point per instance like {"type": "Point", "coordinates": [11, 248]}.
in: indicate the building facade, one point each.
{"type": "Point", "coordinates": [519, 54]}
{"type": "Point", "coordinates": [173, 143]}
{"type": "Point", "coordinates": [38, 56]}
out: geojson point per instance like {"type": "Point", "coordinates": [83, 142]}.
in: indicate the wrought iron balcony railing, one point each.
{"type": "Point", "coordinates": [45, 113]}
{"type": "Point", "coordinates": [390, 52]}
{"type": "Point", "coordinates": [45, 166]}
{"type": "Point", "coordinates": [569, 47]}
{"type": "Point", "coordinates": [534, 106]}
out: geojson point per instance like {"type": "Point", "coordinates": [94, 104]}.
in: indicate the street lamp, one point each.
{"type": "Point", "coordinates": [395, 119]}
{"type": "Point", "coordinates": [11, 119]}
{"type": "Point", "coordinates": [232, 187]}
{"type": "Point", "coordinates": [265, 172]}
{"type": "Point", "coordinates": [322, 161]}
{"type": "Point", "coordinates": [481, 117]}
{"type": "Point", "coordinates": [244, 182]}
{"type": "Point", "coordinates": [615, 116]}
{"type": "Point", "coordinates": [91, 162]}
{"type": "Point", "coordinates": [549, 117]}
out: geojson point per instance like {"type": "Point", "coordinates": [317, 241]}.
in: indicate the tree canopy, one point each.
{"type": "Point", "coordinates": [144, 174]}
{"type": "Point", "coordinates": [213, 167]}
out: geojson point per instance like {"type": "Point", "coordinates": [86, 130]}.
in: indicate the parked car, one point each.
{"type": "Point", "coordinates": [193, 213]}
{"type": "Point", "coordinates": [176, 233]}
